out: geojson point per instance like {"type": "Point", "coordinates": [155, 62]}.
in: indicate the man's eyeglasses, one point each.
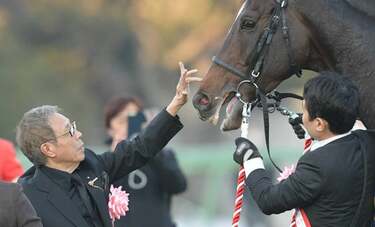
{"type": "Point", "coordinates": [72, 130]}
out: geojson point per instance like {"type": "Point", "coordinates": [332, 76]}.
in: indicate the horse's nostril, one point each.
{"type": "Point", "coordinates": [204, 101]}
{"type": "Point", "coordinates": [201, 101]}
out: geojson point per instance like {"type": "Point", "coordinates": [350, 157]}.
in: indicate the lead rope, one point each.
{"type": "Point", "coordinates": [246, 113]}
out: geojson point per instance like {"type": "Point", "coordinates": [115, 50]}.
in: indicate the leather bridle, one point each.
{"type": "Point", "coordinates": [257, 61]}
{"type": "Point", "coordinates": [254, 72]}
{"type": "Point", "coordinates": [262, 47]}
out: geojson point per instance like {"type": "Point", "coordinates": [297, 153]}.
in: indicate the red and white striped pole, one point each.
{"type": "Point", "coordinates": [239, 197]}
{"type": "Point", "coordinates": [246, 111]}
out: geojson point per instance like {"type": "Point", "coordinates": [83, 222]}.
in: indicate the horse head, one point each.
{"type": "Point", "coordinates": [247, 42]}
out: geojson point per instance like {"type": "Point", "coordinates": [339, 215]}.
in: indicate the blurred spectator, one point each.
{"type": "Point", "coordinates": [10, 167]}
{"type": "Point", "coordinates": [15, 209]}
{"type": "Point", "coordinates": [152, 186]}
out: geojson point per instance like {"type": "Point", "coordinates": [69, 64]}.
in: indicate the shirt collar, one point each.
{"type": "Point", "coordinates": [321, 143]}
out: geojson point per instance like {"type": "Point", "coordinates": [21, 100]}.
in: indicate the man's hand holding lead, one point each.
{"type": "Point", "coordinates": [247, 154]}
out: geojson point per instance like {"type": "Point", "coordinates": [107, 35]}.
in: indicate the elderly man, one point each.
{"type": "Point", "coordinates": [69, 185]}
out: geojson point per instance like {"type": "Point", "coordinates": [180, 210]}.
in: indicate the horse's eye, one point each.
{"type": "Point", "coordinates": [248, 24]}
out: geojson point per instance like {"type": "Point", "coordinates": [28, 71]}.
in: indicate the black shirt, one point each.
{"type": "Point", "coordinates": [72, 184]}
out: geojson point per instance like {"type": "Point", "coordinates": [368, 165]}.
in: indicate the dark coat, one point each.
{"type": "Point", "coordinates": [151, 188]}
{"type": "Point", "coordinates": [327, 183]}
{"type": "Point", "coordinates": [54, 206]}
{"type": "Point", "coordinates": [15, 209]}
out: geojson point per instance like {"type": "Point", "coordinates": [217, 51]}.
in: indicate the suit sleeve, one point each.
{"type": "Point", "coordinates": [171, 177]}
{"type": "Point", "coordinates": [24, 211]}
{"type": "Point", "coordinates": [134, 153]}
{"type": "Point", "coordinates": [298, 190]}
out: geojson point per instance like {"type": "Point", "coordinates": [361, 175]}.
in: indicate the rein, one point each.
{"type": "Point", "coordinates": [256, 65]}
{"type": "Point", "coordinates": [246, 114]}
{"type": "Point", "coordinates": [267, 108]}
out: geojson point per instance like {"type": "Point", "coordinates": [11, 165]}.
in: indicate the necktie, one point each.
{"type": "Point", "coordinates": [307, 145]}
{"type": "Point", "coordinates": [82, 192]}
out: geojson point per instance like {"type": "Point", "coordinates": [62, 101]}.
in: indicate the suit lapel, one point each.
{"type": "Point", "coordinates": [63, 203]}
{"type": "Point", "coordinates": [97, 193]}
{"type": "Point", "coordinates": [60, 200]}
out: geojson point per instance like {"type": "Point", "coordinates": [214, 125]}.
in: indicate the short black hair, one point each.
{"type": "Point", "coordinates": [333, 97]}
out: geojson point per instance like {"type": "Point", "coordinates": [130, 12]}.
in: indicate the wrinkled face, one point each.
{"type": "Point", "coordinates": [219, 85]}
{"type": "Point", "coordinates": [68, 148]}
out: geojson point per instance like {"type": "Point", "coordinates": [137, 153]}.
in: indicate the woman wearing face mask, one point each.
{"type": "Point", "coordinates": [152, 186]}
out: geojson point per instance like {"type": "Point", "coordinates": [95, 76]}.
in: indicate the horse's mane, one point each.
{"type": "Point", "coordinates": [365, 6]}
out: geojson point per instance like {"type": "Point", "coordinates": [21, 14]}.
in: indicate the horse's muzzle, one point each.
{"type": "Point", "coordinates": [203, 104]}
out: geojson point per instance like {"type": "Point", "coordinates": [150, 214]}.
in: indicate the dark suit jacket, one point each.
{"type": "Point", "coordinates": [327, 183]}
{"type": "Point", "coordinates": [98, 172]}
{"type": "Point", "coordinates": [15, 209]}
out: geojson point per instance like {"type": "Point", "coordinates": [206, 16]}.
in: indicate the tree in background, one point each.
{"type": "Point", "coordinates": [79, 53]}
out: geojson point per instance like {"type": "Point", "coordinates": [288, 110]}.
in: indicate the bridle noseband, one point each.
{"type": "Point", "coordinates": [256, 64]}
{"type": "Point", "coordinates": [262, 48]}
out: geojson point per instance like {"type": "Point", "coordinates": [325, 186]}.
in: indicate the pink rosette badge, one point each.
{"type": "Point", "coordinates": [286, 172]}
{"type": "Point", "coordinates": [118, 203]}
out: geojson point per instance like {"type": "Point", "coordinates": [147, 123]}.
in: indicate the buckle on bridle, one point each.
{"type": "Point", "coordinates": [255, 75]}
{"type": "Point", "coordinates": [284, 3]}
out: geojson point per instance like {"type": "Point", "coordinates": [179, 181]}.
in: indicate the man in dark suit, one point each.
{"type": "Point", "coordinates": [333, 184]}
{"type": "Point", "coordinates": [69, 185]}
{"type": "Point", "coordinates": [15, 209]}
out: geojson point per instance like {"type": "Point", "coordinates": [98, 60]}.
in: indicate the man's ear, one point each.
{"type": "Point", "coordinates": [48, 149]}
{"type": "Point", "coordinates": [321, 124]}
